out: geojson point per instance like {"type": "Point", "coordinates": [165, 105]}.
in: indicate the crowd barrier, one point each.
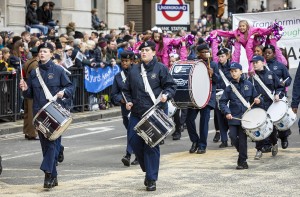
{"type": "Point", "coordinates": [11, 99]}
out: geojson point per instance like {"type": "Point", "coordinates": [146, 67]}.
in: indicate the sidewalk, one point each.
{"type": "Point", "coordinates": [14, 127]}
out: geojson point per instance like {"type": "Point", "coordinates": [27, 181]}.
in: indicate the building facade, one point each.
{"type": "Point", "coordinates": [116, 13]}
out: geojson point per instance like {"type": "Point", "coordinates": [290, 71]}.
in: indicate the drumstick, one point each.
{"type": "Point", "coordinates": [124, 97]}
{"type": "Point", "coordinates": [240, 119]}
{"type": "Point", "coordinates": [21, 69]}
{"type": "Point", "coordinates": [252, 105]}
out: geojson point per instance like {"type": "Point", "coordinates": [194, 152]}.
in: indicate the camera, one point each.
{"type": "Point", "coordinates": [122, 28]}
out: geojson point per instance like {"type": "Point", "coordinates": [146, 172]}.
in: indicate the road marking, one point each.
{"type": "Point", "coordinates": [99, 130]}
{"type": "Point", "coordinates": [20, 156]}
{"type": "Point", "coordinates": [114, 138]}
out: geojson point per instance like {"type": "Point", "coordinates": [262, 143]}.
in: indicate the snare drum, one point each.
{"type": "Point", "coordinates": [52, 120]}
{"type": "Point", "coordinates": [154, 126]}
{"type": "Point", "coordinates": [282, 115]}
{"type": "Point", "coordinates": [257, 124]}
{"type": "Point", "coordinates": [193, 84]}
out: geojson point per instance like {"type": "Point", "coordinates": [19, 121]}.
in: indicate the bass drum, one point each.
{"type": "Point", "coordinates": [193, 84]}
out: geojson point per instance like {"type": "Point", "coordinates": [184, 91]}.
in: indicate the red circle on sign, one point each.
{"type": "Point", "coordinates": [172, 18]}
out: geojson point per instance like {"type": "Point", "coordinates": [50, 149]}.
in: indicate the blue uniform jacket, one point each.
{"type": "Point", "coordinates": [159, 79]}
{"type": "Point", "coordinates": [280, 70]}
{"type": "Point", "coordinates": [296, 89]}
{"type": "Point", "coordinates": [272, 82]}
{"type": "Point", "coordinates": [226, 70]}
{"type": "Point", "coordinates": [55, 79]}
{"type": "Point", "coordinates": [236, 107]}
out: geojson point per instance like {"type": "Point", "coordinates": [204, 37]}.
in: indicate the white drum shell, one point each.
{"type": "Point", "coordinates": [257, 124]}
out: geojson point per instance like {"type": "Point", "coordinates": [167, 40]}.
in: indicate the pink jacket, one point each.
{"type": "Point", "coordinates": [163, 55]}
{"type": "Point", "coordinates": [242, 41]}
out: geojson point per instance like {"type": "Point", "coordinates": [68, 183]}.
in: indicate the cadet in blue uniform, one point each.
{"type": "Point", "coordinates": [117, 97]}
{"type": "Point", "coordinates": [199, 142]}
{"type": "Point", "coordinates": [283, 74]}
{"type": "Point", "coordinates": [236, 109]}
{"type": "Point", "coordinates": [58, 84]}
{"type": "Point", "coordinates": [139, 101]}
{"type": "Point", "coordinates": [296, 94]}
{"type": "Point", "coordinates": [224, 66]}
{"type": "Point", "coordinates": [272, 82]}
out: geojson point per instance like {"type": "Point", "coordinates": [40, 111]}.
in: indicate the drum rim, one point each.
{"type": "Point", "coordinates": [286, 111]}
{"type": "Point", "coordinates": [66, 122]}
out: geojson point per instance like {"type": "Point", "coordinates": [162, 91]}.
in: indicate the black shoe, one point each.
{"type": "Point", "coordinates": [145, 182]}
{"type": "Point", "coordinates": [176, 136]}
{"type": "Point", "coordinates": [266, 149]}
{"type": "Point", "coordinates": [151, 186]}
{"type": "Point", "coordinates": [274, 150]}
{"type": "Point", "coordinates": [61, 154]}
{"type": "Point", "coordinates": [217, 137]}
{"type": "Point", "coordinates": [126, 160]}
{"type": "Point", "coordinates": [48, 181]}
{"type": "Point", "coordinates": [223, 145]}
{"type": "Point", "coordinates": [194, 147]}
{"type": "Point", "coordinates": [201, 151]}
{"type": "Point", "coordinates": [162, 142]}
{"type": "Point", "coordinates": [284, 143]}
{"type": "Point", "coordinates": [0, 165]}
{"type": "Point", "coordinates": [55, 182]}
{"type": "Point", "coordinates": [242, 166]}
{"type": "Point", "coordinates": [135, 162]}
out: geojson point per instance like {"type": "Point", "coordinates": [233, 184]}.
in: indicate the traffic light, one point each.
{"type": "Point", "coordinates": [237, 6]}
{"type": "Point", "coordinates": [221, 8]}
{"type": "Point", "coordinates": [216, 7]}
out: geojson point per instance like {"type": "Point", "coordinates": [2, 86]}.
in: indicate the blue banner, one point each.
{"type": "Point", "coordinates": [97, 79]}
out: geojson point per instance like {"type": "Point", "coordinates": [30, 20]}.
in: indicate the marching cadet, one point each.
{"type": "Point", "coordinates": [296, 94]}
{"type": "Point", "coordinates": [238, 88]}
{"type": "Point", "coordinates": [224, 67]}
{"type": "Point", "coordinates": [283, 74]}
{"type": "Point", "coordinates": [272, 82]}
{"type": "Point", "coordinates": [118, 98]}
{"type": "Point", "coordinates": [140, 101]}
{"type": "Point", "coordinates": [199, 142]}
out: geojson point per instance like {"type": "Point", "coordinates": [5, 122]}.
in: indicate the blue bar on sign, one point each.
{"type": "Point", "coordinates": [170, 7]}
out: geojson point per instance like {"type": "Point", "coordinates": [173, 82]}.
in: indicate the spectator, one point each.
{"type": "Point", "coordinates": [18, 55]}
{"type": "Point", "coordinates": [96, 23]}
{"type": "Point", "coordinates": [94, 36]}
{"type": "Point", "coordinates": [32, 19]}
{"type": "Point", "coordinates": [77, 47]}
{"type": "Point", "coordinates": [44, 15]}
{"type": "Point", "coordinates": [70, 28]}
{"type": "Point", "coordinates": [111, 52]}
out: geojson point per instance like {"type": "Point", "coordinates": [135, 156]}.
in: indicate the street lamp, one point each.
{"type": "Point", "coordinates": [205, 4]}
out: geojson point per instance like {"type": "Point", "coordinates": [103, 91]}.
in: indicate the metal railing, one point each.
{"type": "Point", "coordinates": [11, 99]}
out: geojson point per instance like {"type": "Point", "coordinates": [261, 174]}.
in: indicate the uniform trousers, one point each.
{"type": "Point", "coordinates": [223, 124]}
{"type": "Point", "coordinates": [239, 139]}
{"type": "Point", "coordinates": [49, 155]}
{"type": "Point", "coordinates": [125, 118]}
{"type": "Point", "coordinates": [200, 139]}
{"type": "Point", "coordinates": [148, 157]}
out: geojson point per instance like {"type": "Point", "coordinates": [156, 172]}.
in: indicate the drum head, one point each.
{"type": "Point", "coordinates": [254, 118]}
{"type": "Point", "coordinates": [201, 85]}
{"type": "Point", "coordinates": [277, 110]}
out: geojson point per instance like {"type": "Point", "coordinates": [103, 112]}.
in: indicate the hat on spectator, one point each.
{"type": "Point", "coordinates": [107, 37]}
{"type": "Point", "coordinates": [68, 47]}
{"type": "Point", "coordinates": [127, 54]}
{"type": "Point", "coordinates": [102, 43]}
{"type": "Point", "coordinates": [78, 34]}
{"type": "Point", "coordinates": [235, 65]}
{"type": "Point", "coordinates": [148, 43]}
{"type": "Point", "coordinates": [46, 45]}
{"type": "Point", "coordinates": [34, 50]}
{"type": "Point", "coordinates": [256, 58]}
{"type": "Point", "coordinates": [222, 51]}
{"type": "Point", "coordinates": [202, 47]}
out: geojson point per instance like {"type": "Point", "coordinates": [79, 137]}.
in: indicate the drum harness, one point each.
{"type": "Point", "coordinates": [266, 89]}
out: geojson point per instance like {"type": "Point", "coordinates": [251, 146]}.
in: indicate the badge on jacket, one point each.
{"type": "Point", "coordinates": [153, 76]}
{"type": "Point", "coordinates": [270, 77]}
{"type": "Point", "coordinates": [275, 67]}
{"type": "Point", "coordinates": [50, 76]}
{"type": "Point", "coordinates": [246, 87]}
